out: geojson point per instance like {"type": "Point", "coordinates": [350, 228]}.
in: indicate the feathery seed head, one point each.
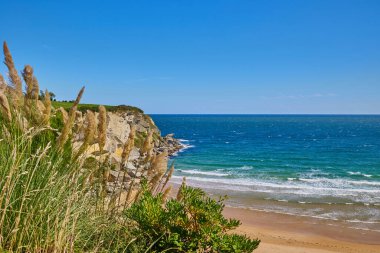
{"type": "Point", "coordinates": [5, 110]}
{"type": "Point", "coordinates": [3, 84]}
{"type": "Point", "coordinates": [166, 193]}
{"type": "Point", "coordinates": [88, 133]}
{"type": "Point", "coordinates": [160, 163]}
{"type": "Point", "coordinates": [183, 185]}
{"type": "Point", "coordinates": [47, 112]}
{"type": "Point", "coordinates": [36, 89]}
{"type": "Point", "coordinates": [147, 146]}
{"type": "Point", "coordinates": [128, 145]}
{"type": "Point", "coordinates": [168, 176]}
{"type": "Point", "coordinates": [102, 127]}
{"type": "Point", "coordinates": [65, 116]}
{"type": "Point", "coordinates": [27, 74]}
{"type": "Point", "coordinates": [67, 128]}
{"type": "Point", "coordinates": [13, 75]}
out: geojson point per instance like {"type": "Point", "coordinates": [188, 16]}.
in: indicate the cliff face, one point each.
{"type": "Point", "coordinates": [118, 129]}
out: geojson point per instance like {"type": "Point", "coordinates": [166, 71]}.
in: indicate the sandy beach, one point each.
{"type": "Point", "coordinates": [292, 234]}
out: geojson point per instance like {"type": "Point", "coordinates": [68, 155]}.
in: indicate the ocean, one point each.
{"type": "Point", "coordinates": [326, 167]}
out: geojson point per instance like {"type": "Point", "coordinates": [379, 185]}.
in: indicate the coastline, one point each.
{"type": "Point", "coordinates": [294, 234]}
{"type": "Point", "coordinates": [297, 225]}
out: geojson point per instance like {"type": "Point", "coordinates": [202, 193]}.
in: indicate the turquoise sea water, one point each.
{"type": "Point", "coordinates": [321, 166]}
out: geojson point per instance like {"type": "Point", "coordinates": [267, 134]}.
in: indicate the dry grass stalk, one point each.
{"type": "Point", "coordinates": [129, 199]}
{"type": "Point", "coordinates": [160, 163]}
{"type": "Point", "coordinates": [128, 145]}
{"type": "Point", "coordinates": [102, 127]}
{"type": "Point", "coordinates": [47, 111]}
{"type": "Point", "coordinates": [148, 145]}
{"type": "Point", "coordinates": [27, 74]}
{"type": "Point", "coordinates": [89, 131]}
{"type": "Point", "coordinates": [78, 116]}
{"type": "Point", "coordinates": [154, 182]}
{"type": "Point", "coordinates": [13, 75]}
{"type": "Point", "coordinates": [67, 128]}
{"type": "Point", "coordinates": [3, 84]}
{"type": "Point", "coordinates": [36, 89]}
{"type": "Point", "coordinates": [65, 116]}
{"type": "Point", "coordinates": [5, 109]}
{"type": "Point", "coordinates": [168, 176]}
{"type": "Point", "coordinates": [179, 194]}
{"type": "Point", "coordinates": [166, 193]}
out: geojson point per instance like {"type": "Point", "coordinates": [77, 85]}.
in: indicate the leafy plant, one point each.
{"type": "Point", "coordinates": [191, 223]}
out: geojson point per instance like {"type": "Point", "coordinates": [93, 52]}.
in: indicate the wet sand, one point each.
{"type": "Point", "coordinates": [293, 234]}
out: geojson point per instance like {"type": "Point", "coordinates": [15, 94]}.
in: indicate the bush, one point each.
{"type": "Point", "coordinates": [192, 223]}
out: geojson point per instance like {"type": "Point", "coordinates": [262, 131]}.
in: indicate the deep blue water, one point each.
{"type": "Point", "coordinates": [319, 159]}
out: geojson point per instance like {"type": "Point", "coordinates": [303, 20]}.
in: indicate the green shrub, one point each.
{"type": "Point", "coordinates": [193, 223]}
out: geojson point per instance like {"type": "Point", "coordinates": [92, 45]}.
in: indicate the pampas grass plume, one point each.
{"type": "Point", "coordinates": [3, 85]}
{"type": "Point", "coordinates": [147, 146]}
{"type": "Point", "coordinates": [36, 89]}
{"type": "Point", "coordinates": [166, 193]}
{"type": "Point", "coordinates": [160, 163]}
{"type": "Point", "coordinates": [67, 128]}
{"type": "Point", "coordinates": [27, 74]}
{"type": "Point", "coordinates": [102, 127]}
{"type": "Point", "coordinates": [89, 131]}
{"type": "Point", "coordinates": [183, 185]}
{"type": "Point", "coordinates": [47, 112]}
{"type": "Point", "coordinates": [65, 116]}
{"type": "Point", "coordinates": [5, 107]}
{"type": "Point", "coordinates": [168, 176]}
{"type": "Point", "coordinates": [128, 145]}
{"type": "Point", "coordinates": [13, 76]}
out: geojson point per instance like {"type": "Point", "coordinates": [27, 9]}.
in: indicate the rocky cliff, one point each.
{"type": "Point", "coordinates": [118, 129]}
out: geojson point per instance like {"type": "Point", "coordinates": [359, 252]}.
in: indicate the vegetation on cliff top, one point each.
{"type": "Point", "coordinates": [94, 107]}
{"type": "Point", "coordinates": [55, 198]}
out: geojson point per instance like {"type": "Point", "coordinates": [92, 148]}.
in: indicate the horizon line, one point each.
{"type": "Point", "coordinates": [274, 114]}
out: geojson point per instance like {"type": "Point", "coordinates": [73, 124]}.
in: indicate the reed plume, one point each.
{"type": "Point", "coordinates": [168, 176]}
{"type": "Point", "coordinates": [166, 193]}
{"type": "Point", "coordinates": [3, 84]}
{"type": "Point", "coordinates": [159, 166]}
{"type": "Point", "coordinates": [183, 185]}
{"type": "Point", "coordinates": [160, 163]}
{"type": "Point", "coordinates": [27, 74]}
{"type": "Point", "coordinates": [154, 182]}
{"type": "Point", "coordinates": [128, 145]}
{"type": "Point", "coordinates": [89, 131]}
{"type": "Point", "coordinates": [36, 89]}
{"type": "Point", "coordinates": [67, 128]}
{"type": "Point", "coordinates": [102, 127]}
{"type": "Point", "coordinates": [13, 75]}
{"type": "Point", "coordinates": [47, 111]}
{"type": "Point", "coordinates": [5, 110]}
{"type": "Point", "coordinates": [147, 146]}
{"type": "Point", "coordinates": [65, 116]}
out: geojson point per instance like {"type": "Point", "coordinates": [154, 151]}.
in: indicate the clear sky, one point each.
{"type": "Point", "coordinates": [203, 56]}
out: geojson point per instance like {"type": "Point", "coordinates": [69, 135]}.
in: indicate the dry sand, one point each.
{"type": "Point", "coordinates": [291, 234]}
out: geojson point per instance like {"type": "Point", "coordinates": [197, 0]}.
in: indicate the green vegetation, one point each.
{"type": "Point", "coordinates": [94, 107]}
{"type": "Point", "coordinates": [56, 198]}
{"type": "Point", "coordinates": [191, 223]}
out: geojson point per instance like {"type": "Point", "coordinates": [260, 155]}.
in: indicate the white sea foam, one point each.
{"type": "Point", "coordinates": [206, 173]}
{"type": "Point", "coordinates": [358, 173]}
{"type": "Point", "coordinates": [304, 190]}
{"type": "Point", "coordinates": [340, 181]}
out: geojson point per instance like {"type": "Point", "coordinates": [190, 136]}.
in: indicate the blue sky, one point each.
{"type": "Point", "coordinates": [203, 56]}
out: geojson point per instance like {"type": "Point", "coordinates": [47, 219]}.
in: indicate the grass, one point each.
{"type": "Point", "coordinates": [55, 198]}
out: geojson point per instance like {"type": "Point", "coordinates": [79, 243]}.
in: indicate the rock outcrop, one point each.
{"type": "Point", "coordinates": [118, 129]}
